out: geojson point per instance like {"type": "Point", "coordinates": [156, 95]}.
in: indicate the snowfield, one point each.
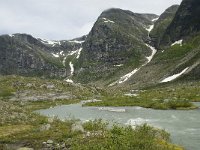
{"type": "Point", "coordinates": [173, 77]}
{"type": "Point", "coordinates": [76, 41]}
{"type": "Point", "coordinates": [179, 42]}
{"type": "Point", "coordinates": [49, 42]}
{"type": "Point", "coordinates": [107, 20]}
{"type": "Point", "coordinates": [71, 68]}
{"type": "Point", "coordinates": [55, 55]}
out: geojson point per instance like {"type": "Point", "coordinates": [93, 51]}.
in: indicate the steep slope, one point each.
{"type": "Point", "coordinates": [183, 34]}
{"type": "Point", "coordinates": [186, 22]}
{"type": "Point", "coordinates": [162, 23]}
{"type": "Point", "coordinates": [23, 54]}
{"type": "Point", "coordinates": [115, 46]}
{"type": "Point", "coordinates": [178, 60]}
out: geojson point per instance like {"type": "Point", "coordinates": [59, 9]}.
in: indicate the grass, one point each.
{"type": "Point", "coordinates": [123, 138]}
{"type": "Point", "coordinates": [18, 123]}
{"type": "Point", "coordinates": [164, 96]}
{"type": "Point", "coordinates": [13, 129]}
{"type": "Point", "coordinates": [28, 130]}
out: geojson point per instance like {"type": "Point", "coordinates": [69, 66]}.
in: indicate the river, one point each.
{"type": "Point", "coordinates": [183, 125]}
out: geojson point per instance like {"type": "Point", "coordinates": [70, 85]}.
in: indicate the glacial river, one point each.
{"type": "Point", "coordinates": [183, 125]}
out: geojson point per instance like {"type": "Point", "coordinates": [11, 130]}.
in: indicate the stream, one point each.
{"type": "Point", "coordinates": [183, 125]}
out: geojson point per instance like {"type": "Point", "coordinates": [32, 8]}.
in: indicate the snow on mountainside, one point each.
{"type": "Point", "coordinates": [173, 77]}
{"type": "Point", "coordinates": [149, 58]}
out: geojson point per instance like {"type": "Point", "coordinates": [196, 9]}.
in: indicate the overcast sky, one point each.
{"type": "Point", "coordinates": [65, 19]}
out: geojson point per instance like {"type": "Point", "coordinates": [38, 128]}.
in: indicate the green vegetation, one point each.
{"type": "Point", "coordinates": [20, 127]}
{"type": "Point", "coordinates": [35, 131]}
{"type": "Point", "coordinates": [141, 138]}
{"type": "Point", "coordinates": [147, 103]}
{"type": "Point", "coordinates": [165, 96]}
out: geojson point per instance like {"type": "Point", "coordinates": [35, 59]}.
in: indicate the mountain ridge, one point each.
{"type": "Point", "coordinates": [119, 45]}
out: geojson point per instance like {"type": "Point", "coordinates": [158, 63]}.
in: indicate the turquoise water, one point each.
{"type": "Point", "coordinates": [184, 126]}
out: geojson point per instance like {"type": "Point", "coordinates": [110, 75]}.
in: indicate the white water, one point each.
{"type": "Point", "coordinates": [184, 126]}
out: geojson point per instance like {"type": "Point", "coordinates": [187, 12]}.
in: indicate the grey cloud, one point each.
{"type": "Point", "coordinates": [65, 19]}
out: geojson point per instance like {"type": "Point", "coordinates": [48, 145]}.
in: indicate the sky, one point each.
{"type": "Point", "coordinates": [65, 19]}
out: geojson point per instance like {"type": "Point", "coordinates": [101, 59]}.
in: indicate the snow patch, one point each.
{"type": "Point", "coordinates": [49, 42]}
{"type": "Point", "coordinates": [107, 20]}
{"type": "Point", "coordinates": [152, 54]}
{"type": "Point", "coordinates": [55, 55]}
{"type": "Point", "coordinates": [118, 65]}
{"type": "Point", "coordinates": [150, 28]}
{"type": "Point", "coordinates": [11, 35]}
{"type": "Point", "coordinates": [179, 42]}
{"type": "Point", "coordinates": [61, 53]}
{"type": "Point", "coordinates": [155, 19]}
{"type": "Point", "coordinates": [64, 60]}
{"type": "Point", "coordinates": [71, 68]}
{"type": "Point", "coordinates": [79, 53]}
{"type": "Point", "coordinates": [72, 53]}
{"type": "Point", "coordinates": [127, 76]}
{"type": "Point", "coordinates": [173, 77]}
{"type": "Point", "coordinates": [76, 41]}
{"type": "Point", "coordinates": [149, 58]}
{"type": "Point", "coordinates": [69, 81]}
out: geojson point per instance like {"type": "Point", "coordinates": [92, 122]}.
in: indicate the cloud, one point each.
{"type": "Point", "coordinates": [65, 19]}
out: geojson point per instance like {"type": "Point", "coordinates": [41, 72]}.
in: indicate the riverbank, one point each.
{"type": "Point", "coordinates": [177, 96]}
{"type": "Point", "coordinates": [22, 128]}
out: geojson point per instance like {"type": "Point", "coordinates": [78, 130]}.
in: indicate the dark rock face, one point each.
{"type": "Point", "coordinates": [162, 23]}
{"type": "Point", "coordinates": [185, 23]}
{"type": "Point", "coordinates": [117, 38]}
{"type": "Point", "coordinates": [25, 55]}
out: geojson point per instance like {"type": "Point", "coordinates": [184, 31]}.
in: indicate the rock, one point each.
{"type": "Point", "coordinates": [45, 127]}
{"type": "Point", "coordinates": [49, 142]}
{"type": "Point", "coordinates": [77, 128]}
{"type": "Point", "coordinates": [50, 120]}
{"type": "Point", "coordinates": [50, 86]}
{"type": "Point", "coordinates": [29, 85]}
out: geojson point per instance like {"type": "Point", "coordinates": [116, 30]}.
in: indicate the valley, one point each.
{"type": "Point", "coordinates": [133, 82]}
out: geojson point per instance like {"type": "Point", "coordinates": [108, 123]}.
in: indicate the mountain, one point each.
{"type": "Point", "coordinates": [185, 23]}
{"type": "Point", "coordinates": [115, 45]}
{"type": "Point", "coordinates": [162, 23]}
{"type": "Point", "coordinates": [23, 54]}
{"type": "Point", "coordinates": [184, 29]}
{"type": "Point", "coordinates": [177, 60]}
{"type": "Point", "coordinates": [123, 49]}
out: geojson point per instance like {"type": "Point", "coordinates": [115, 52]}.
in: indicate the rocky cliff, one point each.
{"type": "Point", "coordinates": [115, 44]}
